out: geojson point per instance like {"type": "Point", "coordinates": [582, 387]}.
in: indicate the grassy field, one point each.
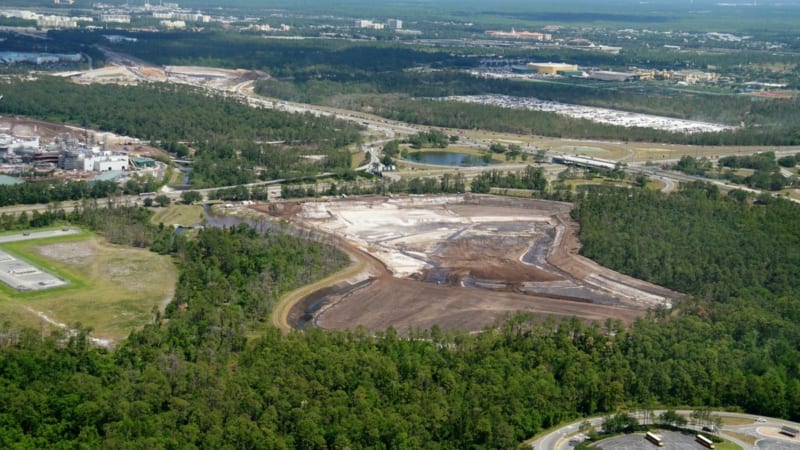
{"type": "Point", "coordinates": [746, 438]}
{"type": "Point", "coordinates": [180, 214]}
{"type": "Point", "coordinates": [112, 289]}
{"type": "Point", "coordinates": [727, 445]}
{"type": "Point", "coordinates": [736, 421]}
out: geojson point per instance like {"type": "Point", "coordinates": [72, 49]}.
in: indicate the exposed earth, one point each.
{"type": "Point", "coordinates": [460, 261]}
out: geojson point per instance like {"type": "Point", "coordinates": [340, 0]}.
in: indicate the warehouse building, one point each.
{"type": "Point", "coordinates": [550, 68]}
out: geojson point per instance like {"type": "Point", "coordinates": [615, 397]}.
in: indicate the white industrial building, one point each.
{"type": "Point", "coordinates": [9, 144]}
{"type": "Point", "coordinates": [362, 23]}
{"type": "Point", "coordinates": [115, 18]}
{"type": "Point", "coordinates": [93, 161]}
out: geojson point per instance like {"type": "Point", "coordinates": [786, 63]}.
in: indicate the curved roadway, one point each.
{"type": "Point", "coordinates": [560, 438]}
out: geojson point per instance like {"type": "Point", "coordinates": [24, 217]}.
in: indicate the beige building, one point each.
{"type": "Point", "coordinates": [695, 76]}
{"type": "Point", "coordinates": [550, 68]}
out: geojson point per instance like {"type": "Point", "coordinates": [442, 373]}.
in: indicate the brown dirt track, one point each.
{"type": "Point", "coordinates": [478, 277]}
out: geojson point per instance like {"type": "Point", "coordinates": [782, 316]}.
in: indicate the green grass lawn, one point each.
{"type": "Point", "coordinates": [181, 214]}
{"type": "Point", "coordinates": [112, 289]}
{"type": "Point", "coordinates": [727, 445]}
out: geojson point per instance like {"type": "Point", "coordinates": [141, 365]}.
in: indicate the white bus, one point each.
{"type": "Point", "coordinates": [704, 441]}
{"type": "Point", "coordinates": [654, 438]}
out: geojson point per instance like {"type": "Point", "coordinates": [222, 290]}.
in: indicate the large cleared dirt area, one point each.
{"type": "Point", "coordinates": [462, 261]}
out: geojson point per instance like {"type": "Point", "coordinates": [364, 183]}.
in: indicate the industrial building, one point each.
{"type": "Point", "coordinates": [551, 68]}
{"type": "Point", "coordinates": [141, 162]}
{"type": "Point", "coordinates": [92, 161]}
{"type": "Point", "coordinates": [362, 23]}
{"type": "Point", "coordinates": [115, 18]}
{"type": "Point", "coordinates": [585, 161]}
{"type": "Point", "coordinates": [10, 145]}
{"type": "Point", "coordinates": [514, 34]}
{"type": "Point", "coordinates": [394, 24]}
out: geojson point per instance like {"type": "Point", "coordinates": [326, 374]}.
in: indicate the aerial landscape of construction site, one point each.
{"type": "Point", "coordinates": [374, 225]}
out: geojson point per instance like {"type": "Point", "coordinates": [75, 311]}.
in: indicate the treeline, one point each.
{"type": "Point", "coordinates": [54, 191]}
{"type": "Point", "coordinates": [227, 136]}
{"type": "Point", "coordinates": [121, 223]}
{"type": "Point", "coordinates": [429, 139]}
{"type": "Point", "coordinates": [305, 59]}
{"type": "Point", "coordinates": [49, 191]}
{"type": "Point", "coordinates": [766, 169]}
{"type": "Point", "coordinates": [530, 178]}
{"type": "Point", "coordinates": [746, 247]}
{"type": "Point", "coordinates": [445, 184]}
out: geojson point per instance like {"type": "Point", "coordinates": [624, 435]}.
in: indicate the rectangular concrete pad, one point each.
{"type": "Point", "coordinates": [23, 276]}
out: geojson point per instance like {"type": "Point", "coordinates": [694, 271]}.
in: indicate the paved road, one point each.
{"type": "Point", "coordinates": [26, 236]}
{"type": "Point", "coordinates": [560, 439]}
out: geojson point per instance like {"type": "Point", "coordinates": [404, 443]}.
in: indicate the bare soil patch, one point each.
{"type": "Point", "coordinates": [461, 262]}
{"type": "Point", "coordinates": [69, 252]}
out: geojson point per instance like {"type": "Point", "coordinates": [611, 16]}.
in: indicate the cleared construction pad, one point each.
{"type": "Point", "coordinates": [462, 261]}
{"type": "Point", "coordinates": [23, 276]}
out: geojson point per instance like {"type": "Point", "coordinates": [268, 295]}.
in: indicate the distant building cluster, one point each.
{"type": "Point", "coordinates": [572, 70]}
{"type": "Point", "coordinates": [170, 14]}
{"type": "Point", "coordinates": [7, 58]}
{"type": "Point", "coordinates": [44, 20]}
{"type": "Point", "coordinates": [268, 28]}
{"type": "Point", "coordinates": [514, 34]}
{"type": "Point", "coordinates": [115, 18]}
{"type": "Point", "coordinates": [392, 24]}
{"type": "Point", "coordinates": [186, 16]}
{"type": "Point", "coordinates": [173, 24]}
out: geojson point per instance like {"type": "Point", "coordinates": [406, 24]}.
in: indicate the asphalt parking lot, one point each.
{"type": "Point", "coordinates": [672, 441]}
{"type": "Point", "coordinates": [775, 444]}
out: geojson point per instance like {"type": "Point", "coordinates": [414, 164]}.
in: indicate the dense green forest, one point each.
{"type": "Point", "coordinates": [210, 374]}
{"type": "Point", "coordinates": [766, 173]}
{"type": "Point", "coordinates": [48, 191]}
{"type": "Point", "coordinates": [226, 136]}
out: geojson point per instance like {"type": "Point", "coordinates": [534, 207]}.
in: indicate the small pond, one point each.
{"type": "Point", "coordinates": [447, 159]}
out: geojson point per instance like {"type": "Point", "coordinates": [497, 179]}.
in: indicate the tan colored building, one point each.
{"type": "Point", "coordinates": [552, 68]}
{"type": "Point", "coordinates": [695, 76]}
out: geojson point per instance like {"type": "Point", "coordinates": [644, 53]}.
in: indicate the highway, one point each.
{"type": "Point", "coordinates": [563, 437]}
